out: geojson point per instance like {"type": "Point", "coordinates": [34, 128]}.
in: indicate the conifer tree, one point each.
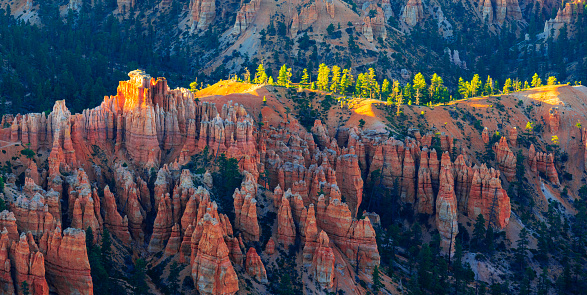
{"type": "Point", "coordinates": [475, 85]}
{"type": "Point", "coordinates": [25, 288]}
{"type": "Point", "coordinates": [173, 278]}
{"type": "Point", "coordinates": [385, 89]}
{"type": "Point", "coordinates": [138, 280]}
{"type": "Point", "coordinates": [536, 81]}
{"type": "Point", "coordinates": [305, 78]}
{"type": "Point", "coordinates": [544, 282]}
{"type": "Point", "coordinates": [350, 80]}
{"type": "Point", "coordinates": [359, 86]}
{"type": "Point", "coordinates": [520, 254]}
{"type": "Point", "coordinates": [194, 86]}
{"type": "Point", "coordinates": [551, 80]}
{"type": "Point", "coordinates": [335, 86]}
{"type": "Point", "coordinates": [436, 88]}
{"type": "Point", "coordinates": [463, 88]}
{"type": "Point", "coordinates": [479, 231]}
{"type": "Point", "coordinates": [365, 86]}
{"type": "Point", "coordinates": [260, 75]}
{"type": "Point", "coordinates": [507, 87]}
{"type": "Point", "coordinates": [408, 91]}
{"type": "Point", "coordinates": [395, 89]}
{"type": "Point", "coordinates": [419, 86]}
{"type": "Point", "coordinates": [282, 79]}
{"type": "Point", "coordinates": [323, 77]}
{"type": "Point", "coordinates": [106, 250]}
{"type": "Point", "coordinates": [489, 87]}
{"type": "Point", "coordinates": [399, 102]}
{"type": "Point", "coordinates": [517, 85]}
{"type": "Point", "coordinates": [344, 80]}
{"type": "Point", "coordinates": [373, 86]}
{"type": "Point", "coordinates": [376, 279]}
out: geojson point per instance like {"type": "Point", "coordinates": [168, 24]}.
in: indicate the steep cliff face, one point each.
{"type": "Point", "coordinates": [565, 17]}
{"type": "Point", "coordinates": [125, 5]}
{"type": "Point", "coordinates": [202, 13]}
{"type": "Point", "coordinates": [245, 16]}
{"type": "Point", "coordinates": [412, 13]}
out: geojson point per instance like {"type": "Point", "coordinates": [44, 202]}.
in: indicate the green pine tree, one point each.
{"type": "Point", "coordinates": [323, 77]}
{"type": "Point", "coordinates": [551, 80]}
{"type": "Point", "coordinates": [507, 87]}
{"type": "Point", "coordinates": [24, 287]}
{"type": "Point", "coordinates": [335, 86]}
{"type": "Point", "coordinates": [463, 88]}
{"type": "Point", "coordinates": [376, 279]}
{"type": "Point", "coordinates": [260, 75]}
{"type": "Point", "coordinates": [419, 87]}
{"type": "Point", "coordinates": [138, 280]}
{"type": "Point", "coordinates": [475, 85]}
{"type": "Point", "coordinates": [536, 81]}
{"type": "Point", "coordinates": [282, 79]}
{"type": "Point", "coordinates": [173, 278]}
{"type": "Point", "coordinates": [479, 232]}
{"type": "Point", "coordinates": [385, 89]}
{"type": "Point", "coordinates": [305, 78]}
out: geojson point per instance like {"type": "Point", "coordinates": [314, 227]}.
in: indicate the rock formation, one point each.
{"type": "Point", "coordinates": [513, 136]}
{"type": "Point", "coordinates": [8, 223]}
{"type": "Point", "coordinates": [348, 175]}
{"type": "Point", "coordinates": [286, 229]}
{"type": "Point", "coordinates": [245, 208]}
{"type": "Point", "coordinates": [151, 131]}
{"type": "Point", "coordinates": [487, 197]}
{"type": "Point", "coordinates": [245, 16]}
{"type": "Point", "coordinates": [28, 265]}
{"type": "Point", "coordinates": [487, 12]}
{"type": "Point", "coordinates": [446, 212]}
{"type": "Point", "coordinates": [125, 5]}
{"type": "Point", "coordinates": [507, 9]}
{"type": "Point", "coordinates": [564, 17]}
{"type": "Point", "coordinates": [163, 225]}
{"type": "Point", "coordinates": [211, 268]}
{"type": "Point", "coordinates": [554, 119]}
{"type": "Point", "coordinates": [66, 260]}
{"type": "Point", "coordinates": [505, 158]}
{"type": "Point", "coordinates": [485, 135]}
{"type": "Point", "coordinates": [117, 225]}
{"type": "Point", "coordinates": [412, 13]}
{"type": "Point", "coordinates": [174, 241]}
{"type": "Point", "coordinates": [32, 214]}
{"type": "Point", "coordinates": [425, 204]}
{"type": "Point", "coordinates": [323, 263]}
{"type": "Point", "coordinates": [255, 267]}
{"type": "Point", "coordinates": [355, 238]}
{"type": "Point", "coordinates": [543, 162]}
{"type": "Point", "coordinates": [202, 13]}
{"type": "Point", "coordinates": [270, 247]}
